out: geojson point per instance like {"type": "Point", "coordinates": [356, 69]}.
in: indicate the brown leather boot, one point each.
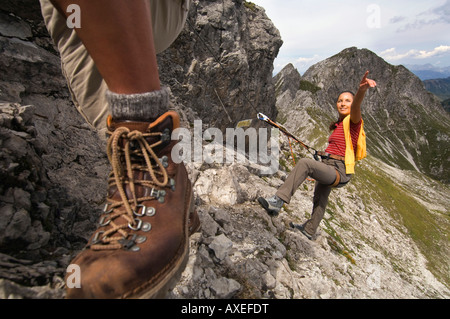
{"type": "Point", "coordinates": [141, 246]}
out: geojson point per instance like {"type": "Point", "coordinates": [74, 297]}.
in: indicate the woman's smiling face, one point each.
{"type": "Point", "coordinates": [344, 104]}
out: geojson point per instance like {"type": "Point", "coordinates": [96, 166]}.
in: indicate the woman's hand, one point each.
{"type": "Point", "coordinates": [367, 83]}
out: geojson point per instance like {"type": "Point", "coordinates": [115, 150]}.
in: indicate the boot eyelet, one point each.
{"type": "Point", "coordinates": [172, 184]}
{"type": "Point", "coordinates": [140, 239]}
{"type": "Point", "coordinates": [164, 161]}
{"type": "Point", "coordinates": [95, 239]}
{"type": "Point", "coordinates": [165, 135]}
{"type": "Point", "coordinates": [106, 211]}
{"type": "Point", "coordinates": [150, 211]}
{"type": "Point", "coordinates": [142, 213]}
{"type": "Point", "coordinates": [158, 194]}
{"type": "Point", "coordinates": [139, 224]}
{"type": "Point", "coordinates": [146, 227]}
{"type": "Point", "coordinates": [102, 221]}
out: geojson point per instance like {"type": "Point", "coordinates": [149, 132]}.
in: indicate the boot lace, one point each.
{"type": "Point", "coordinates": [136, 154]}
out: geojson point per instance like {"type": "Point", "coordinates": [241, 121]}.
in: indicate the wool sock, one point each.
{"type": "Point", "coordinates": [141, 107]}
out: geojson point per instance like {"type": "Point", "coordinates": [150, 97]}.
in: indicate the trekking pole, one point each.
{"type": "Point", "coordinates": [266, 119]}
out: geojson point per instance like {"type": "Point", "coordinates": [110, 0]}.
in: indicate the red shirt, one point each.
{"type": "Point", "coordinates": [336, 141]}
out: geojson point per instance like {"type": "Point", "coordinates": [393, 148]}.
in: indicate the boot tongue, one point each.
{"type": "Point", "coordinates": [164, 124]}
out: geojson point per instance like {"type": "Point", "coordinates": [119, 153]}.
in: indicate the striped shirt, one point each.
{"type": "Point", "coordinates": [336, 141]}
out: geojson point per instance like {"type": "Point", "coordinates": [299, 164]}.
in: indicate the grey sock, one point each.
{"type": "Point", "coordinates": [140, 106]}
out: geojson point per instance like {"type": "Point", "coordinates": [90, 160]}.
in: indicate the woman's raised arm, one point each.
{"type": "Point", "coordinates": [355, 113]}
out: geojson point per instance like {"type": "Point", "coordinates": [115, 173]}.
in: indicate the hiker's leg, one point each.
{"type": "Point", "coordinates": [321, 172]}
{"type": "Point", "coordinates": [85, 82]}
{"type": "Point", "coordinates": [320, 201]}
{"type": "Point", "coordinates": [118, 36]}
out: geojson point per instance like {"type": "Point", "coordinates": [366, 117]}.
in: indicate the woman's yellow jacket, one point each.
{"type": "Point", "coordinates": [350, 155]}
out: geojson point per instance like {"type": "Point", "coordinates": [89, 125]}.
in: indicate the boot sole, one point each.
{"type": "Point", "coordinates": [171, 279]}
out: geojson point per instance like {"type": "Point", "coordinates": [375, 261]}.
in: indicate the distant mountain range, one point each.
{"type": "Point", "coordinates": [429, 71]}
{"type": "Point", "coordinates": [439, 87]}
{"type": "Point", "coordinates": [435, 79]}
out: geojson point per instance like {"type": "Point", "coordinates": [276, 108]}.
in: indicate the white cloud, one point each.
{"type": "Point", "coordinates": [437, 51]}
{"type": "Point", "coordinates": [302, 63]}
{"type": "Point", "coordinates": [392, 54]}
{"type": "Point", "coordinates": [436, 15]}
{"type": "Point", "coordinates": [307, 60]}
{"type": "Point", "coordinates": [415, 30]}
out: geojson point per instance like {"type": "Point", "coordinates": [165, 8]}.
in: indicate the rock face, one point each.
{"type": "Point", "coordinates": [386, 239]}
{"type": "Point", "coordinates": [47, 152]}
{"type": "Point", "coordinates": [221, 65]}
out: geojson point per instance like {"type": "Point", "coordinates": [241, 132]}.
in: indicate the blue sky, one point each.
{"type": "Point", "coordinates": [400, 31]}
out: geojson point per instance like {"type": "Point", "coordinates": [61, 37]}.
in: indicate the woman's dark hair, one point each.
{"type": "Point", "coordinates": [334, 124]}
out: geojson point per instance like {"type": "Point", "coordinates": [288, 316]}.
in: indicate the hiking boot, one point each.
{"type": "Point", "coordinates": [272, 204]}
{"type": "Point", "coordinates": [301, 228]}
{"type": "Point", "coordinates": [141, 245]}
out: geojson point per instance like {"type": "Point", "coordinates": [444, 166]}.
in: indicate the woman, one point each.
{"type": "Point", "coordinates": [345, 145]}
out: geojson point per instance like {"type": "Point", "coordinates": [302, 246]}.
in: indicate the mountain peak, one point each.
{"type": "Point", "coordinates": [288, 79]}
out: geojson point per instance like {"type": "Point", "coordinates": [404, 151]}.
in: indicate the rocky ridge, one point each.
{"type": "Point", "coordinates": [363, 250]}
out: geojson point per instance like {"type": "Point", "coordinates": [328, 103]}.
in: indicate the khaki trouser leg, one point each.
{"type": "Point", "coordinates": [321, 172]}
{"type": "Point", "coordinates": [325, 174]}
{"type": "Point", "coordinates": [85, 83]}
{"type": "Point", "coordinates": [320, 201]}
